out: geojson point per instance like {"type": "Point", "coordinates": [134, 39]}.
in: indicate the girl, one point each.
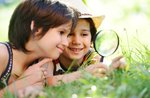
{"type": "Point", "coordinates": [38, 29]}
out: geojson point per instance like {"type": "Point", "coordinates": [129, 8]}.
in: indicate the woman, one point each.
{"type": "Point", "coordinates": [36, 27]}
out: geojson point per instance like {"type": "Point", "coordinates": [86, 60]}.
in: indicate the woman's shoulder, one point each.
{"type": "Point", "coordinates": [3, 57]}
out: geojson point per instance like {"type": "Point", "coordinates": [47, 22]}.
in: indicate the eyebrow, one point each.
{"type": "Point", "coordinates": [65, 30]}
{"type": "Point", "coordinates": [85, 30]}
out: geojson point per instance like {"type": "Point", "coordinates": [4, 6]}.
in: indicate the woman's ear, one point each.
{"type": "Point", "coordinates": [32, 28]}
{"type": "Point", "coordinates": [32, 25]}
{"type": "Point", "coordinates": [35, 31]}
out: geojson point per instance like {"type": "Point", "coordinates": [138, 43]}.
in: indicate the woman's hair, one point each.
{"type": "Point", "coordinates": [92, 28]}
{"type": "Point", "coordinates": [46, 14]}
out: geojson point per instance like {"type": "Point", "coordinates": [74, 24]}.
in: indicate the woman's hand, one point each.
{"type": "Point", "coordinates": [30, 92]}
{"type": "Point", "coordinates": [35, 73]}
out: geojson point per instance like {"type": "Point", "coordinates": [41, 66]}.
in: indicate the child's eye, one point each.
{"type": "Point", "coordinates": [84, 34]}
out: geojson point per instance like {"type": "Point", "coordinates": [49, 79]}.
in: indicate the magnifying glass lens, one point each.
{"type": "Point", "coordinates": [106, 42]}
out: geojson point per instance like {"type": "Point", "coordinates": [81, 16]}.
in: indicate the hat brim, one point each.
{"type": "Point", "coordinates": [85, 11]}
{"type": "Point", "coordinates": [96, 19]}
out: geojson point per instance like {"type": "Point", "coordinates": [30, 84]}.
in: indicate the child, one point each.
{"type": "Point", "coordinates": [79, 52]}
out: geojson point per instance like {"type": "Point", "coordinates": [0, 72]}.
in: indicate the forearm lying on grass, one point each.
{"type": "Point", "coordinates": [65, 78]}
{"type": "Point", "coordinates": [14, 87]}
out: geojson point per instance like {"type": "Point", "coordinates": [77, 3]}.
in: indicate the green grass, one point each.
{"type": "Point", "coordinates": [131, 83]}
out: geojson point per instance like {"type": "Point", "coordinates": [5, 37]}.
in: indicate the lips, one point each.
{"type": "Point", "coordinates": [76, 50]}
{"type": "Point", "coordinates": [60, 49]}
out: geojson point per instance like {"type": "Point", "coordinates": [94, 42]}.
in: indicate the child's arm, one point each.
{"type": "Point", "coordinates": [65, 78]}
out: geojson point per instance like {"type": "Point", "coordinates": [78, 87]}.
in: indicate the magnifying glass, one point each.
{"type": "Point", "coordinates": [106, 42]}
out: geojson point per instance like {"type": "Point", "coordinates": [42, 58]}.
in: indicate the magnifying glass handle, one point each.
{"type": "Point", "coordinates": [102, 58]}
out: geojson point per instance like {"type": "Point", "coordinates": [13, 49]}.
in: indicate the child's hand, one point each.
{"type": "Point", "coordinates": [98, 70]}
{"type": "Point", "coordinates": [118, 63]}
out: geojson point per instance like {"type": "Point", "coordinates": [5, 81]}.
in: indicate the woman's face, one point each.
{"type": "Point", "coordinates": [79, 41]}
{"type": "Point", "coordinates": [54, 41]}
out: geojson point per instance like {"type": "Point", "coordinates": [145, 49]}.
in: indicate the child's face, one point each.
{"type": "Point", "coordinates": [54, 41]}
{"type": "Point", "coordinates": [79, 41]}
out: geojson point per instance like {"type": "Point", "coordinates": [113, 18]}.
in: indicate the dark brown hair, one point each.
{"type": "Point", "coordinates": [93, 29]}
{"type": "Point", "coordinates": [46, 14]}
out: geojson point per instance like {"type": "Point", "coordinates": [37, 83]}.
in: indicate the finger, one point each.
{"type": "Point", "coordinates": [116, 65]}
{"type": "Point", "coordinates": [101, 71]}
{"type": "Point", "coordinates": [100, 75]}
{"type": "Point", "coordinates": [20, 93]}
{"type": "Point", "coordinates": [43, 68]}
{"type": "Point", "coordinates": [117, 58]}
{"type": "Point", "coordinates": [38, 85]}
{"type": "Point", "coordinates": [42, 62]}
{"type": "Point", "coordinates": [29, 90]}
{"type": "Point", "coordinates": [122, 65]}
{"type": "Point", "coordinates": [45, 73]}
{"type": "Point", "coordinates": [123, 61]}
{"type": "Point", "coordinates": [100, 65]}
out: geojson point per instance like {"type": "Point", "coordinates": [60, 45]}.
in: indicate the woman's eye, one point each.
{"type": "Point", "coordinates": [61, 32]}
{"type": "Point", "coordinates": [70, 34]}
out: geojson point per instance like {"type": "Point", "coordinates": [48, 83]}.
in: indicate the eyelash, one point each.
{"type": "Point", "coordinates": [61, 32]}
{"type": "Point", "coordinates": [70, 34]}
{"type": "Point", "coordinates": [81, 34]}
{"type": "Point", "coordinates": [84, 34]}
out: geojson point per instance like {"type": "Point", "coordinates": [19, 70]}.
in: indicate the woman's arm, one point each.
{"type": "Point", "coordinates": [3, 58]}
{"type": "Point", "coordinates": [14, 87]}
{"type": "Point", "coordinates": [34, 74]}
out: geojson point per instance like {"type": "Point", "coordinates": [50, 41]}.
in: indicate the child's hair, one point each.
{"type": "Point", "coordinates": [92, 28]}
{"type": "Point", "coordinates": [46, 14]}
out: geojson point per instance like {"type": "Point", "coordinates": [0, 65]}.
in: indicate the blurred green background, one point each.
{"type": "Point", "coordinates": [129, 18]}
{"type": "Point", "coordinates": [6, 9]}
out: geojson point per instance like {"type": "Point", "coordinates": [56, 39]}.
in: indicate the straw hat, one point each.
{"type": "Point", "coordinates": [85, 12]}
